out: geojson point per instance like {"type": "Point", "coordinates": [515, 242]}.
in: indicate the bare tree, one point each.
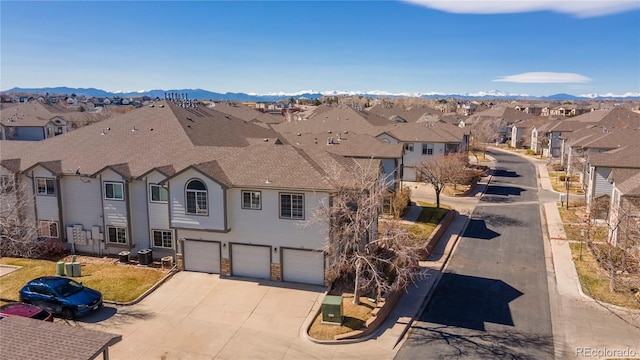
{"type": "Point", "coordinates": [442, 170]}
{"type": "Point", "coordinates": [18, 235]}
{"type": "Point", "coordinates": [483, 132]}
{"type": "Point", "coordinates": [379, 257]}
{"type": "Point", "coordinates": [620, 256]}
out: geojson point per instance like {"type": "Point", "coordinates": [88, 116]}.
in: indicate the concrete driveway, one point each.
{"type": "Point", "coordinates": [202, 316]}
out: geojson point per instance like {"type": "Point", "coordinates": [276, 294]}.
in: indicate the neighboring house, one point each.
{"type": "Point", "coordinates": [599, 174]}
{"type": "Point", "coordinates": [503, 115]}
{"type": "Point", "coordinates": [420, 140]}
{"type": "Point", "coordinates": [521, 132]}
{"type": "Point", "coordinates": [246, 113]}
{"type": "Point", "coordinates": [400, 114]}
{"type": "Point", "coordinates": [594, 139]}
{"type": "Point", "coordinates": [359, 147]}
{"type": "Point", "coordinates": [557, 130]}
{"type": "Point", "coordinates": [224, 193]}
{"type": "Point", "coordinates": [624, 217]}
{"type": "Point", "coordinates": [30, 122]}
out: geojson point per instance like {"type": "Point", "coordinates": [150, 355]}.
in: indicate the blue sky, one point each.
{"type": "Point", "coordinates": [535, 47]}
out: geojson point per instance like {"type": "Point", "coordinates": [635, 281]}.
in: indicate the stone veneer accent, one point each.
{"type": "Point", "coordinates": [225, 267]}
{"type": "Point", "coordinates": [179, 262]}
{"type": "Point", "coordinates": [276, 272]}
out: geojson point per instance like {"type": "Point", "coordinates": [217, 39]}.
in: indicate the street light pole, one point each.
{"type": "Point", "coordinates": [567, 181]}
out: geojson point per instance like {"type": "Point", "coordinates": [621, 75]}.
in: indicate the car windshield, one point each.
{"type": "Point", "coordinates": [69, 288]}
{"type": "Point", "coordinates": [42, 315]}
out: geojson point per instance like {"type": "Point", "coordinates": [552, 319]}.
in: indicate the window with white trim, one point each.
{"type": "Point", "coordinates": [113, 191]}
{"type": "Point", "coordinates": [251, 200]}
{"type": "Point", "coordinates": [116, 235]}
{"type": "Point", "coordinates": [49, 229]}
{"type": "Point", "coordinates": [427, 149]}
{"type": "Point", "coordinates": [291, 206]}
{"type": "Point", "coordinates": [46, 186]}
{"type": "Point", "coordinates": [163, 239]}
{"type": "Point", "coordinates": [159, 193]}
{"type": "Point", "coordinates": [196, 197]}
{"type": "Point", "coordinates": [408, 147]}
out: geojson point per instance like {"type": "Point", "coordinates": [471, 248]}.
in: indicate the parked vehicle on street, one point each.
{"type": "Point", "coordinates": [25, 310]}
{"type": "Point", "coordinates": [62, 296]}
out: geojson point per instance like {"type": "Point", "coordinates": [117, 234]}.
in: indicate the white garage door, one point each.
{"type": "Point", "coordinates": [251, 261]}
{"type": "Point", "coordinates": [409, 174]}
{"type": "Point", "coordinates": [202, 256]}
{"type": "Point", "coordinates": [303, 266]}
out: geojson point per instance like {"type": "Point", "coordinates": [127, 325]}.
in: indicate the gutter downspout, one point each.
{"type": "Point", "coordinates": [60, 215]}
{"type": "Point", "coordinates": [104, 224]}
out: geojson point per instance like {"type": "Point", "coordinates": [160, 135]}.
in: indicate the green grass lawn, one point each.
{"type": "Point", "coordinates": [595, 282]}
{"type": "Point", "coordinates": [121, 283]}
{"type": "Point", "coordinates": [429, 218]}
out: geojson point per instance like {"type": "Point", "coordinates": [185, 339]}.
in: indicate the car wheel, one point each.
{"type": "Point", "coordinates": [67, 314]}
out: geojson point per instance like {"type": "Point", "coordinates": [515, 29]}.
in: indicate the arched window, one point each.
{"type": "Point", "coordinates": [196, 196]}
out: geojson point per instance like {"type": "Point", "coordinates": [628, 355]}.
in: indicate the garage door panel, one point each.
{"type": "Point", "coordinates": [303, 266]}
{"type": "Point", "coordinates": [251, 261]}
{"type": "Point", "coordinates": [202, 256]}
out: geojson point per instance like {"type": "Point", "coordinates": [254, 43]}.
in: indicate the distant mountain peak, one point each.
{"type": "Point", "coordinates": [311, 94]}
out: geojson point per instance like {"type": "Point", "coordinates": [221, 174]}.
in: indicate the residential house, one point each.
{"type": "Point", "coordinates": [624, 216]}
{"type": "Point", "coordinates": [246, 113]}
{"type": "Point", "coordinates": [502, 117]}
{"type": "Point", "coordinates": [556, 130]}
{"type": "Point", "coordinates": [420, 140]}
{"type": "Point", "coordinates": [227, 195]}
{"type": "Point", "coordinates": [31, 121]}
{"type": "Point", "coordinates": [600, 174]}
{"type": "Point", "coordinates": [521, 131]}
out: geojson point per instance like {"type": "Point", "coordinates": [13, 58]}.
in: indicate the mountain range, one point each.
{"type": "Point", "coordinates": [309, 94]}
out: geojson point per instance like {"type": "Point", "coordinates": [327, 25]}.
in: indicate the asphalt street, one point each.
{"type": "Point", "coordinates": [492, 300]}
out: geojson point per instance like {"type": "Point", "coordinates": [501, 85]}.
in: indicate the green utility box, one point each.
{"type": "Point", "coordinates": [332, 310]}
{"type": "Point", "coordinates": [60, 268]}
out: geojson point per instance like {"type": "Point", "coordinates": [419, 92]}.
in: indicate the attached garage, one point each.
{"type": "Point", "coordinates": [251, 261]}
{"type": "Point", "coordinates": [303, 266]}
{"type": "Point", "coordinates": [409, 174]}
{"type": "Point", "coordinates": [202, 256]}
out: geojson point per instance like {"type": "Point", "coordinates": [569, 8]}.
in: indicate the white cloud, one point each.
{"type": "Point", "coordinates": [578, 8]}
{"type": "Point", "coordinates": [544, 78]}
{"type": "Point", "coordinates": [612, 95]}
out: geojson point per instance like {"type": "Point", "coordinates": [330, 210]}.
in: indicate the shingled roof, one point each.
{"type": "Point", "coordinates": [624, 157]}
{"type": "Point", "coordinates": [347, 144]}
{"type": "Point", "coordinates": [30, 339]}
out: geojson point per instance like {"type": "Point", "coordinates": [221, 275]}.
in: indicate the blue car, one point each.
{"type": "Point", "coordinates": [61, 295]}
